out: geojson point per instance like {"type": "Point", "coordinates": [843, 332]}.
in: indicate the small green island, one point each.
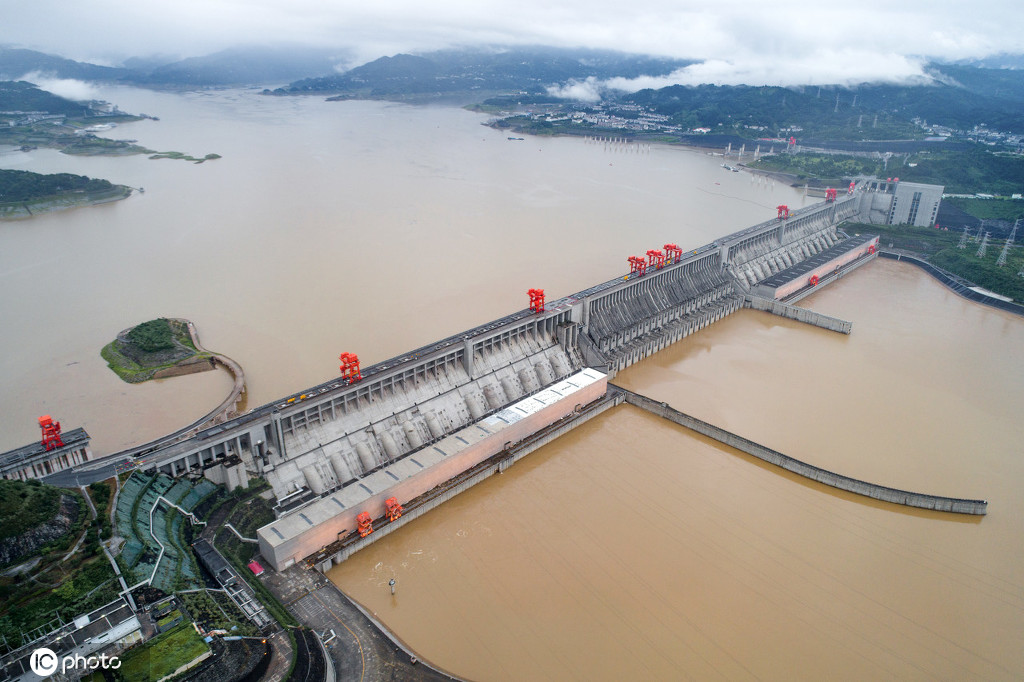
{"type": "Point", "coordinates": [24, 194]}
{"type": "Point", "coordinates": [156, 349]}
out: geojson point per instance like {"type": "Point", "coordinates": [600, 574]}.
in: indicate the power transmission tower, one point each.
{"type": "Point", "coordinates": [983, 247]}
{"type": "Point", "coordinates": [963, 240]}
{"type": "Point", "coordinates": [1001, 261]}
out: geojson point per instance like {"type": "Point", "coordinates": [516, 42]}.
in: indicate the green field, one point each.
{"type": "Point", "coordinates": [162, 655]}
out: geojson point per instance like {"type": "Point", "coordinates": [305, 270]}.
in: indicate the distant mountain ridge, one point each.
{"type": "Point", "coordinates": [965, 97]}
{"type": "Point", "coordinates": [234, 66]}
{"type": "Point", "coordinates": [447, 71]}
{"type": "Point", "coordinates": [17, 62]}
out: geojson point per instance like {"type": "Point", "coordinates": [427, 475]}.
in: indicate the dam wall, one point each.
{"type": "Point", "coordinates": [643, 314]}
{"type": "Point", "coordinates": [300, 534]}
{"type": "Point", "coordinates": [333, 555]}
{"type": "Point", "coordinates": [829, 478]}
{"type": "Point", "coordinates": [770, 247]}
{"type": "Point", "coordinates": [343, 446]}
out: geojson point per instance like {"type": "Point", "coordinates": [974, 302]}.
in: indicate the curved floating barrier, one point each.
{"type": "Point", "coordinates": [873, 490]}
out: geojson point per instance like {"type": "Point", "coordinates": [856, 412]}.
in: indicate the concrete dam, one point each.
{"type": "Point", "coordinates": [349, 461]}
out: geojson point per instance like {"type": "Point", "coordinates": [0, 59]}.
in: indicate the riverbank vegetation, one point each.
{"type": "Point", "coordinates": [23, 193]}
{"type": "Point", "coordinates": [63, 572]}
{"type": "Point", "coordinates": [184, 157]}
{"type": "Point", "coordinates": [153, 349]}
{"type": "Point", "coordinates": [970, 171]}
{"type": "Point", "coordinates": [940, 248]}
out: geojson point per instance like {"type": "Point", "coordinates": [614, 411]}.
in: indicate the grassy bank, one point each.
{"type": "Point", "coordinates": [162, 655]}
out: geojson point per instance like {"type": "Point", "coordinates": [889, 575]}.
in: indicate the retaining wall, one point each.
{"type": "Point", "coordinates": [800, 314]}
{"type": "Point", "coordinates": [853, 485]}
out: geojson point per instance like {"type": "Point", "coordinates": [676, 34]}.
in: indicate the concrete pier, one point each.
{"type": "Point", "coordinates": [792, 312]}
{"type": "Point", "coordinates": [852, 485]}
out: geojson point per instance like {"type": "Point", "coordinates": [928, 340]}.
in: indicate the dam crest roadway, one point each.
{"type": "Point", "coordinates": [415, 430]}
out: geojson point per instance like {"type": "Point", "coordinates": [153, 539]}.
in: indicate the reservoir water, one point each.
{"type": "Point", "coordinates": [363, 227]}
{"type": "Point", "coordinates": [634, 549]}
{"type": "Point", "coordinates": [628, 548]}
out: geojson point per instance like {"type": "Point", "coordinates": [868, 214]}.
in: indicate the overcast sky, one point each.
{"type": "Point", "coordinates": [782, 42]}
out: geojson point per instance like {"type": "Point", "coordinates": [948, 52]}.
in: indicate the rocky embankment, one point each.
{"type": "Point", "coordinates": [30, 542]}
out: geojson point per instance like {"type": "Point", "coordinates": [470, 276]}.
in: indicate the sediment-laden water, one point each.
{"type": "Point", "coordinates": [634, 549]}
{"type": "Point", "coordinates": [363, 227]}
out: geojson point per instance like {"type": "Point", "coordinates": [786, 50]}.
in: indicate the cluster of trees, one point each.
{"type": "Point", "coordinates": [973, 170]}
{"type": "Point", "coordinates": [16, 186]}
{"type": "Point", "coordinates": [152, 336]}
{"type": "Point", "coordinates": [969, 170]}
{"type": "Point", "coordinates": [822, 166]}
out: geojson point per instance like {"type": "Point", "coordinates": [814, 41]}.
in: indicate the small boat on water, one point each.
{"type": "Point", "coordinates": [516, 138]}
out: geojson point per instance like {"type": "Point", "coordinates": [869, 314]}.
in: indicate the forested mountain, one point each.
{"type": "Point", "coordinates": [529, 69]}
{"type": "Point", "coordinates": [16, 63]}
{"type": "Point", "coordinates": [235, 66]}
{"type": "Point", "coordinates": [966, 97]}
{"type": "Point", "coordinates": [22, 96]}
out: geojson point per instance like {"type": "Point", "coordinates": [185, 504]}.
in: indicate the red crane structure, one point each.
{"type": "Point", "coordinates": [830, 194]}
{"type": "Point", "coordinates": [394, 510]}
{"type": "Point", "coordinates": [673, 253]}
{"type": "Point", "coordinates": [365, 524]}
{"type": "Point", "coordinates": [655, 259]}
{"type": "Point", "coordinates": [783, 211]}
{"type": "Point", "coordinates": [350, 367]}
{"type": "Point", "coordinates": [51, 433]}
{"type": "Point", "coordinates": [637, 265]}
{"type": "Point", "coordinates": [536, 300]}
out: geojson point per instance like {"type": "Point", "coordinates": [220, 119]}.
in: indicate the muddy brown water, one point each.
{"type": "Point", "coordinates": [634, 549]}
{"type": "Point", "coordinates": [629, 548]}
{"type": "Point", "coordinates": [327, 227]}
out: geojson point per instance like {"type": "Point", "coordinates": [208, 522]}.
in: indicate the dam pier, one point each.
{"type": "Point", "coordinates": [355, 457]}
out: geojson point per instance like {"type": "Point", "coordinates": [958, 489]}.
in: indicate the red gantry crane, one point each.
{"type": "Point", "coordinates": [637, 265]}
{"type": "Point", "coordinates": [51, 433]}
{"type": "Point", "coordinates": [350, 367]}
{"type": "Point", "coordinates": [655, 259]}
{"type": "Point", "coordinates": [536, 300]}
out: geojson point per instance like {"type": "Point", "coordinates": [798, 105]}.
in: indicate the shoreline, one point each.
{"type": "Point", "coordinates": [23, 210]}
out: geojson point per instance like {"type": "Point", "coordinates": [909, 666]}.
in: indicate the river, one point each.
{"type": "Point", "coordinates": [365, 227]}
{"type": "Point", "coordinates": [629, 548]}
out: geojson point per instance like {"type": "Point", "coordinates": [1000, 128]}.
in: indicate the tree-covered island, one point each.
{"type": "Point", "coordinates": [24, 194]}
{"type": "Point", "coordinates": [154, 350]}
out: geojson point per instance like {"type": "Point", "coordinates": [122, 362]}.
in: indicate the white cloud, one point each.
{"type": "Point", "coordinates": [64, 87]}
{"type": "Point", "coordinates": [588, 90]}
{"type": "Point", "coordinates": [785, 41]}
